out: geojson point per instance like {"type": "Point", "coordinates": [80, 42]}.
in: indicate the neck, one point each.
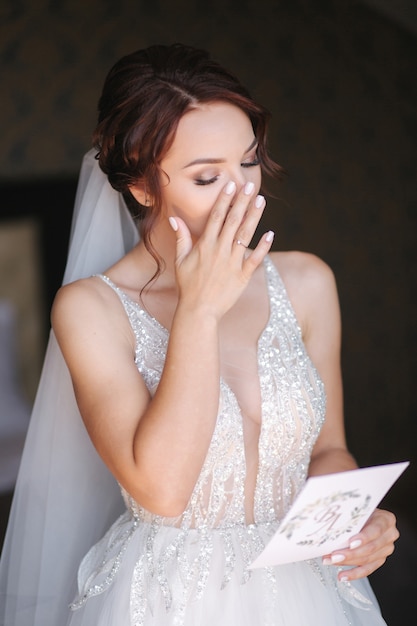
{"type": "Point", "coordinates": [163, 241]}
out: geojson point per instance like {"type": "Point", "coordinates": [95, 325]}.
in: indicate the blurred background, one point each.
{"type": "Point", "coordinates": [340, 80]}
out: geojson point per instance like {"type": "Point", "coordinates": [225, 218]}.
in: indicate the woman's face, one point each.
{"type": "Point", "coordinates": [213, 145]}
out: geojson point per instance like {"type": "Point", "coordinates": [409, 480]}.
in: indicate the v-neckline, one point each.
{"type": "Point", "coordinates": [157, 323]}
{"type": "Point", "coordinates": [267, 262]}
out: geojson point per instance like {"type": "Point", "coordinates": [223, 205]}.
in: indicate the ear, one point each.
{"type": "Point", "coordinates": [140, 194]}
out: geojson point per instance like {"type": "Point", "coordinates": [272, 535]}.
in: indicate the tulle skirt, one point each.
{"type": "Point", "coordinates": [143, 574]}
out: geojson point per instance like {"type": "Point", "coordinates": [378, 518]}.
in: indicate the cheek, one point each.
{"type": "Point", "coordinates": [192, 201]}
{"type": "Point", "coordinates": [256, 177]}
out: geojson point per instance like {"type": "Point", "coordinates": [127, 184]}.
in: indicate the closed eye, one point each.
{"type": "Point", "coordinates": [208, 181]}
{"type": "Point", "coordinates": [204, 181]}
{"type": "Point", "coordinates": [253, 163]}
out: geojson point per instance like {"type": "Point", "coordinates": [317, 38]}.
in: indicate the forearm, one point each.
{"type": "Point", "coordinates": [331, 460]}
{"type": "Point", "coordinates": [173, 435]}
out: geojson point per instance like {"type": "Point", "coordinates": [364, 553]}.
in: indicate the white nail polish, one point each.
{"type": "Point", "coordinates": [344, 579]}
{"type": "Point", "coordinates": [355, 544]}
{"type": "Point", "coordinates": [259, 201]}
{"type": "Point", "coordinates": [338, 558]}
{"type": "Point", "coordinates": [230, 188]}
{"type": "Point", "coordinates": [173, 223]}
{"type": "Point", "coordinates": [269, 236]}
{"type": "Point", "coordinates": [249, 187]}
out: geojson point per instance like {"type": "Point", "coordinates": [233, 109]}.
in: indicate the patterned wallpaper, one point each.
{"type": "Point", "coordinates": [340, 81]}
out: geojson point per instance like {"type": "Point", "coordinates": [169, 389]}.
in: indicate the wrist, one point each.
{"type": "Point", "coordinates": [197, 314]}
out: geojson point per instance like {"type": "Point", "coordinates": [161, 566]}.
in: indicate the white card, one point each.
{"type": "Point", "coordinates": [328, 511]}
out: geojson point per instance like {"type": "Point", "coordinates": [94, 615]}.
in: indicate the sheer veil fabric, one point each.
{"type": "Point", "coordinates": [65, 498]}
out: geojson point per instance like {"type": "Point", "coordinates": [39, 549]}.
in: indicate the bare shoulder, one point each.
{"type": "Point", "coordinates": [309, 281]}
{"type": "Point", "coordinates": [79, 295]}
{"type": "Point", "coordinates": [303, 270]}
{"type": "Point", "coordinates": [85, 304]}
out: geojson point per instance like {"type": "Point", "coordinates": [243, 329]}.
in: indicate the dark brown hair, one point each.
{"type": "Point", "coordinates": [145, 94]}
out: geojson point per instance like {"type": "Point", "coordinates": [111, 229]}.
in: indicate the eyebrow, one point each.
{"type": "Point", "coordinates": [207, 160]}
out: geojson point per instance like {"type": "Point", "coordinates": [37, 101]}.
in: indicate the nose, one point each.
{"type": "Point", "coordinates": [242, 176]}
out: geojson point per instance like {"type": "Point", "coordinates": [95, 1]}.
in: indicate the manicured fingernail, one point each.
{"type": "Point", "coordinates": [249, 187]}
{"type": "Point", "coordinates": [173, 223]}
{"type": "Point", "coordinates": [230, 187]}
{"type": "Point", "coordinates": [269, 236]}
{"type": "Point", "coordinates": [337, 558]}
{"type": "Point", "coordinates": [259, 201]}
{"type": "Point", "coordinates": [327, 561]}
{"type": "Point", "coordinates": [344, 579]}
{"type": "Point", "coordinates": [355, 544]}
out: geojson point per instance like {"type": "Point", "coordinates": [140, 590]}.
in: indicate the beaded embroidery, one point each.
{"type": "Point", "coordinates": [293, 409]}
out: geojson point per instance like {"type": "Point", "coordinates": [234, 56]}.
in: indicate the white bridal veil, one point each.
{"type": "Point", "coordinates": [65, 498]}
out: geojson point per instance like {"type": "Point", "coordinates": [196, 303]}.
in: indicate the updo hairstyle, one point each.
{"type": "Point", "coordinates": [144, 96]}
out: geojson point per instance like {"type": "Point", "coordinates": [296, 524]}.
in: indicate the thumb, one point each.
{"type": "Point", "coordinates": [184, 241]}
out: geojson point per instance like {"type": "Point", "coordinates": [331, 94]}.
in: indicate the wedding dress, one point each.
{"type": "Point", "coordinates": [193, 570]}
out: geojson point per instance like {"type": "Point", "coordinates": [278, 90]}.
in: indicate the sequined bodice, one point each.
{"type": "Point", "coordinates": [293, 407]}
{"type": "Point", "coordinates": [194, 568]}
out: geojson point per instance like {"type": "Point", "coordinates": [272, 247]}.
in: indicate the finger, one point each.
{"type": "Point", "coordinates": [359, 565]}
{"type": "Point", "coordinates": [219, 211]}
{"type": "Point", "coordinates": [375, 550]}
{"type": "Point", "coordinates": [250, 222]}
{"type": "Point", "coordinates": [360, 571]}
{"type": "Point", "coordinates": [378, 535]}
{"type": "Point", "coordinates": [381, 547]}
{"type": "Point", "coordinates": [233, 228]}
{"type": "Point", "coordinates": [183, 236]}
{"type": "Point", "coordinates": [255, 257]}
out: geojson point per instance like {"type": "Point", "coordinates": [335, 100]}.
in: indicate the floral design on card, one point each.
{"type": "Point", "coordinates": [328, 518]}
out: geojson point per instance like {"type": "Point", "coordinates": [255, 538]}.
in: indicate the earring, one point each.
{"type": "Point", "coordinates": [148, 199]}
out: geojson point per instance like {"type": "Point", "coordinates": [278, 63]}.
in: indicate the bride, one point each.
{"type": "Point", "coordinates": [197, 372]}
